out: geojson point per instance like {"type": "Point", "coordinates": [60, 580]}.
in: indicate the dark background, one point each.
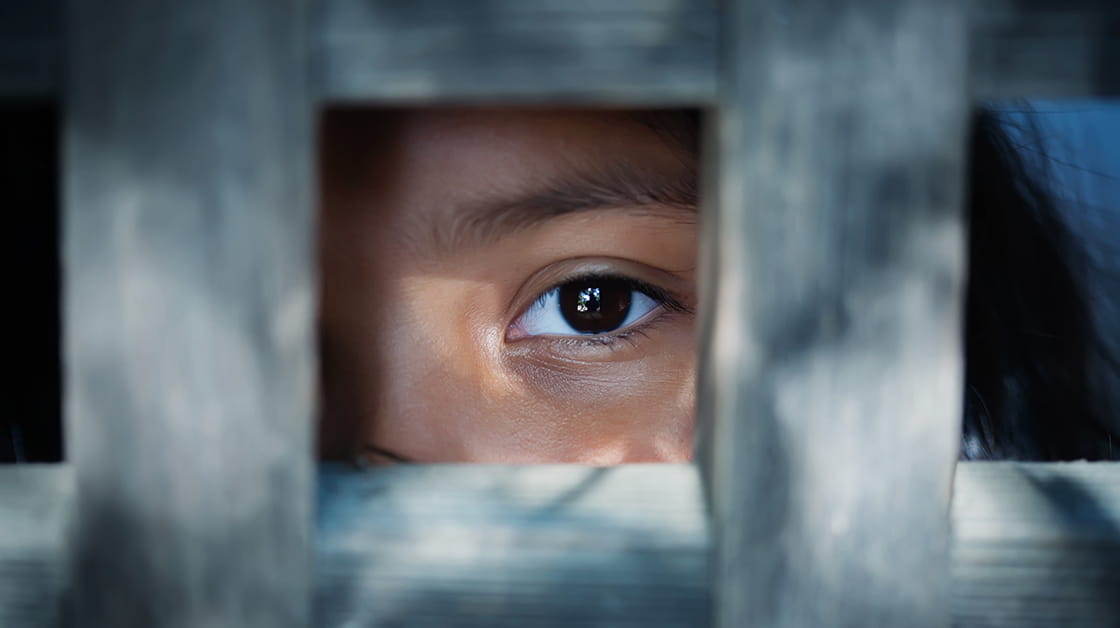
{"type": "Point", "coordinates": [30, 422]}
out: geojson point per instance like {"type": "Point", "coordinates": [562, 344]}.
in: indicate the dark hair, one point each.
{"type": "Point", "coordinates": [1028, 331]}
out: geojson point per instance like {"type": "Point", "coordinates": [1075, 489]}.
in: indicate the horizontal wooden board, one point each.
{"type": "Point", "coordinates": [1045, 48]}
{"type": "Point", "coordinates": [518, 546]}
{"type": "Point", "coordinates": [1035, 545]}
{"type": "Point", "coordinates": [616, 51]}
{"type": "Point", "coordinates": [35, 510]}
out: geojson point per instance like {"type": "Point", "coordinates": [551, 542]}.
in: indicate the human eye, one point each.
{"type": "Point", "coordinates": [602, 305]}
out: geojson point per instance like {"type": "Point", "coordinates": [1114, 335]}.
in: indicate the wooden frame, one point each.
{"type": "Point", "coordinates": [839, 239]}
{"type": "Point", "coordinates": [1018, 48]}
{"type": "Point", "coordinates": [188, 279]}
{"type": "Point", "coordinates": [1033, 545]}
{"type": "Point", "coordinates": [140, 508]}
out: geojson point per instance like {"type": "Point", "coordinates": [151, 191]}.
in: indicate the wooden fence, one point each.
{"type": "Point", "coordinates": [833, 261]}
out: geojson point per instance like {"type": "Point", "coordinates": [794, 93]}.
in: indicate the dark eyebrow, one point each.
{"type": "Point", "coordinates": [619, 186]}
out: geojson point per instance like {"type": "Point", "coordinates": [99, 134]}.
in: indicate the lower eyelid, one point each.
{"type": "Point", "coordinates": [628, 336]}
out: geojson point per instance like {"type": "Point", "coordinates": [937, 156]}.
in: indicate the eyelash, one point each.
{"type": "Point", "coordinates": [665, 302]}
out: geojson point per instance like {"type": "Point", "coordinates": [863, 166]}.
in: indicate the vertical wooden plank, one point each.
{"type": "Point", "coordinates": [832, 360]}
{"type": "Point", "coordinates": [188, 317]}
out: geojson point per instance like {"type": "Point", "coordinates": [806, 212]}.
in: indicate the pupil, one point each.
{"type": "Point", "coordinates": [595, 306]}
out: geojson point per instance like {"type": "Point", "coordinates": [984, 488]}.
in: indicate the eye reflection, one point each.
{"type": "Point", "coordinates": [583, 301]}
{"type": "Point", "coordinates": [600, 305]}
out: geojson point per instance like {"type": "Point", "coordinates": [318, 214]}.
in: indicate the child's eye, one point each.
{"type": "Point", "coordinates": [589, 306]}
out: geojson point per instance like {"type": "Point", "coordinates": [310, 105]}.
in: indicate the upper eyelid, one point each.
{"type": "Point", "coordinates": [661, 295]}
{"type": "Point", "coordinates": [674, 283]}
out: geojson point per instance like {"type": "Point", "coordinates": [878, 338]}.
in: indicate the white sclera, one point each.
{"type": "Point", "coordinates": [544, 317]}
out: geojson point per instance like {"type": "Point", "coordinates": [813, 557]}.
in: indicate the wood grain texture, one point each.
{"type": "Point", "coordinates": [188, 319]}
{"type": "Point", "coordinates": [1034, 545]}
{"type": "Point", "coordinates": [622, 51]}
{"type": "Point", "coordinates": [35, 510]}
{"type": "Point", "coordinates": [832, 366]}
{"type": "Point", "coordinates": [509, 547]}
{"type": "Point", "coordinates": [606, 52]}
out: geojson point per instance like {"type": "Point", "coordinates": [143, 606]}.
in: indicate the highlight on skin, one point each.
{"type": "Point", "coordinates": [507, 286]}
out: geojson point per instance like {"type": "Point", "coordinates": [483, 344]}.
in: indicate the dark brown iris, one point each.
{"type": "Point", "coordinates": [596, 305]}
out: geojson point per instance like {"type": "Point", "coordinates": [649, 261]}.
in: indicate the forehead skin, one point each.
{"type": "Point", "coordinates": [437, 163]}
{"type": "Point", "coordinates": [414, 356]}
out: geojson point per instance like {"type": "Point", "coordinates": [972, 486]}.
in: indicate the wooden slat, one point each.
{"type": "Point", "coordinates": [609, 51]}
{"type": "Point", "coordinates": [35, 509]}
{"type": "Point", "coordinates": [832, 364]}
{"type": "Point", "coordinates": [623, 51]}
{"type": "Point", "coordinates": [512, 547]}
{"type": "Point", "coordinates": [188, 319]}
{"type": "Point", "coordinates": [1034, 545]}
{"type": "Point", "coordinates": [1045, 48]}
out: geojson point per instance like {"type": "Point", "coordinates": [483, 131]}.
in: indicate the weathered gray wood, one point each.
{"type": "Point", "coordinates": [35, 508]}
{"type": "Point", "coordinates": [1024, 48]}
{"type": "Point", "coordinates": [1034, 545]}
{"type": "Point", "coordinates": [832, 370]}
{"type": "Point", "coordinates": [632, 51]}
{"type": "Point", "coordinates": [627, 51]}
{"type": "Point", "coordinates": [442, 546]}
{"type": "Point", "coordinates": [188, 319]}
{"type": "Point", "coordinates": [512, 546]}
{"type": "Point", "coordinates": [616, 51]}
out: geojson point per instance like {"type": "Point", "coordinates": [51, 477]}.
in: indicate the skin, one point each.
{"type": "Point", "coordinates": [425, 351]}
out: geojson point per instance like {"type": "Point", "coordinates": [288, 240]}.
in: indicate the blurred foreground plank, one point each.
{"type": "Point", "coordinates": [621, 51]}
{"type": "Point", "coordinates": [188, 312]}
{"type": "Point", "coordinates": [830, 353]}
{"type": "Point", "coordinates": [1034, 545]}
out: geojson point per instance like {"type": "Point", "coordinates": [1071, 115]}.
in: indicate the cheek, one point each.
{"type": "Point", "coordinates": [635, 411]}
{"type": "Point", "coordinates": [451, 393]}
